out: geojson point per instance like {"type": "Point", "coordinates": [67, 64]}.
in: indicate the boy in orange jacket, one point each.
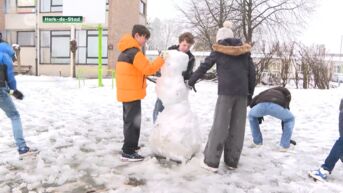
{"type": "Point", "coordinates": [131, 70]}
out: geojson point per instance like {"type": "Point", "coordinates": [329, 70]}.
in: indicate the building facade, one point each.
{"type": "Point", "coordinates": [46, 46]}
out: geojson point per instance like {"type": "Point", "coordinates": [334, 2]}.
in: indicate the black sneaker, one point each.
{"type": "Point", "coordinates": [26, 152]}
{"type": "Point", "coordinates": [134, 157]}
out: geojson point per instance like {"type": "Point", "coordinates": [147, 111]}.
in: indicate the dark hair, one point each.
{"type": "Point", "coordinates": [188, 37]}
{"type": "Point", "coordinates": [141, 30]}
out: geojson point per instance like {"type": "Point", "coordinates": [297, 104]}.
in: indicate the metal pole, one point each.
{"type": "Point", "coordinates": [100, 55]}
{"type": "Point", "coordinates": [340, 55]}
{"type": "Point", "coordinates": [37, 59]}
{"type": "Point", "coordinates": [340, 50]}
{"type": "Point", "coordinates": [72, 55]}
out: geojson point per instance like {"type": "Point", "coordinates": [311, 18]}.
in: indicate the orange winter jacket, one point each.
{"type": "Point", "coordinates": [131, 68]}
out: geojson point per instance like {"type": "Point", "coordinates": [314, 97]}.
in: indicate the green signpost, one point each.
{"type": "Point", "coordinates": [62, 19]}
{"type": "Point", "coordinates": [100, 55]}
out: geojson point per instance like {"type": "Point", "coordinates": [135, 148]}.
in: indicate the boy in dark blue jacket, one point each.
{"type": "Point", "coordinates": [7, 81]}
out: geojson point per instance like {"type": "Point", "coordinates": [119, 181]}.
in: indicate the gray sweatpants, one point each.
{"type": "Point", "coordinates": [227, 131]}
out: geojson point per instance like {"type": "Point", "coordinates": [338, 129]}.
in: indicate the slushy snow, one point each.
{"type": "Point", "coordinates": [79, 132]}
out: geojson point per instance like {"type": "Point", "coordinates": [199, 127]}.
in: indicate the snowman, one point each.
{"type": "Point", "coordinates": [175, 135]}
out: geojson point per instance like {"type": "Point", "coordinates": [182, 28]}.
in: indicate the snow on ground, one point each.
{"type": "Point", "coordinates": [79, 134]}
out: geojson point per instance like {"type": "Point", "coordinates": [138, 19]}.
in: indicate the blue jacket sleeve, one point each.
{"type": "Point", "coordinates": [6, 48]}
{"type": "Point", "coordinates": [9, 72]}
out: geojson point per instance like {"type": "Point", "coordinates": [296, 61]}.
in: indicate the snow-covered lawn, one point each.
{"type": "Point", "coordinates": [79, 134]}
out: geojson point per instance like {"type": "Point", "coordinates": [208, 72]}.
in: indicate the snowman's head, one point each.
{"type": "Point", "coordinates": [176, 62]}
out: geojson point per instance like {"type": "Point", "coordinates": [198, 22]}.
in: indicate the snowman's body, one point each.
{"type": "Point", "coordinates": [176, 134]}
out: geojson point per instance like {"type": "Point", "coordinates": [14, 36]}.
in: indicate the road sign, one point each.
{"type": "Point", "coordinates": [62, 19]}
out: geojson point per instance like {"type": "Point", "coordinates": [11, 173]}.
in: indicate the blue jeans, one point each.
{"type": "Point", "coordinates": [336, 152]}
{"type": "Point", "coordinates": [7, 105]}
{"type": "Point", "coordinates": [274, 110]}
{"type": "Point", "coordinates": [158, 108]}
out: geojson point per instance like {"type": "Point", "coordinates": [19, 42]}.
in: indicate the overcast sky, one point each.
{"type": "Point", "coordinates": [325, 26]}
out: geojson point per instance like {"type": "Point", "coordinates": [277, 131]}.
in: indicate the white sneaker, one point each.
{"type": "Point", "coordinates": [283, 149]}
{"type": "Point", "coordinates": [230, 167]}
{"type": "Point", "coordinates": [254, 145]}
{"type": "Point", "coordinates": [208, 168]}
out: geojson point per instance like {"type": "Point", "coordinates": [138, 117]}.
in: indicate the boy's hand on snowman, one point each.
{"type": "Point", "coordinates": [163, 54]}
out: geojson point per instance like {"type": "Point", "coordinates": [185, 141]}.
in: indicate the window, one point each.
{"type": "Point", "coordinates": [45, 6]}
{"type": "Point", "coordinates": [26, 38]}
{"type": "Point", "coordinates": [60, 47]}
{"type": "Point", "coordinates": [57, 2]}
{"type": "Point", "coordinates": [87, 51]}
{"type": "Point", "coordinates": [51, 5]}
{"type": "Point", "coordinates": [54, 47]}
{"type": "Point", "coordinates": [20, 6]}
{"type": "Point", "coordinates": [56, 5]}
{"type": "Point", "coordinates": [45, 47]}
{"type": "Point", "coordinates": [26, 3]}
{"type": "Point", "coordinates": [142, 7]}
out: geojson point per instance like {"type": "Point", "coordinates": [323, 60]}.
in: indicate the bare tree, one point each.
{"type": "Point", "coordinates": [206, 16]}
{"type": "Point", "coordinates": [271, 15]}
{"type": "Point", "coordinates": [249, 16]}
{"type": "Point", "coordinates": [297, 72]}
{"type": "Point", "coordinates": [316, 67]}
{"type": "Point", "coordinates": [264, 59]}
{"type": "Point", "coordinates": [305, 68]}
{"type": "Point", "coordinates": [285, 53]}
{"type": "Point", "coordinates": [164, 33]}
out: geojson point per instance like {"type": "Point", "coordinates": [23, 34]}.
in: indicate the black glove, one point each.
{"type": "Point", "coordinates": [195, 90]}
{"type": "Point", "coordinates": [260, 119]}
{"type": "Point", "coordinates": [18, 95]}
{"type": "Point", "coordinates": [293, 142]}
{"type": "Point", "coordinates": [188, 86]}
{"type": "Point", "coordinates": [191, 83]}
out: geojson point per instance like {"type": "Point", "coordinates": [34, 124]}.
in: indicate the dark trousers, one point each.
{"type": "Point", "coordinates": [227, 131]}
{"type": "Point", "coordinates": [337, 150]}
{"type": "Point", "coordinates": [132, 125]}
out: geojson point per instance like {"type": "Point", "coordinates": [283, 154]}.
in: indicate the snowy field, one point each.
{"type": "Point", "coordinates": [79, 134]}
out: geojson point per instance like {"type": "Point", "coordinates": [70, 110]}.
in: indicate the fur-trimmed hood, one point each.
{"type": "Point", "coordinates": [232, 50]}
{"type": "Point", "coordinates": [235, 68]}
